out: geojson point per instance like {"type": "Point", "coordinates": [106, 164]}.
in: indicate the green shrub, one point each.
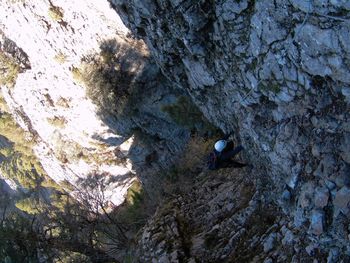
{"type": "Point", "coordinates": [10, 70]}
{"type": "Point", "coordinates": [31, 205]}
{"type": "Point", "coordinates": [56, 13]}
{"type": "Point", "coordinates": [19, 162]}
{"type": "Point", "coordinates": [63, 102]}
{"type": "Point", "coordinates": [49, 183]}
{"type": "Point", "coordinates": [58, 122]}
{"type": "Point", "coordinates": [60, 58]}
{"type": "Point", "coordinates": [67, 185]}
{"type": "Point", "coordinates": [186, 114]}
{"type": "Point", "coordinates": [3, 105]}
{"type": "Point", "coordinates": [135, 210]}
{"type": "Point", "coordinates": [77, 75]}
{"type": "Point", "coordinates": [109, 76]}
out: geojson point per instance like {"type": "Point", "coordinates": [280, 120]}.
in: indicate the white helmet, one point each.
{"type": "Point", "coordinates": [220, 145]}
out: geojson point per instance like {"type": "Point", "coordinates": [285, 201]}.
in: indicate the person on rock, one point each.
{"type": "Point", "coordinates": [223, 153]}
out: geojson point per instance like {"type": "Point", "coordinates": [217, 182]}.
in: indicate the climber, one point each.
{"type": "Point", "coordinates": [221, 156]}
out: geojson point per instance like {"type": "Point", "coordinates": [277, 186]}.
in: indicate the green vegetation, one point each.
{"type": "Point", "coordinates": [60, 58]}
{"type": "Point", "coordinates": [3, 105]}
{"type": "Point", "coordinates": [109, 75]}
{"type": "Point", "coordinates": [10, 70]}
{"type": "Point", "coordinates": [31, 205]}
{"type": "Point", "coordinates": [17, 242]}
{"type": "Point", "coordinates": [186, 114]}
{"type": "Point", "coordinates": [58, 122]}
{"type": "Point", "coordinates": [63, 102]}
{"type": "Point", "coordinates": [77, 75]}
{"type": "Point", "coordinates": [134, 212]}
{"type": "Point", "coordinates": [49, 183]}
{"type": "Point", "coordinates": [67, 185]}
{"type": "Point", "coordinates": [63, 231]}
{"type": "Point", "coordinates": [105, 85]}
{"type": "Point", "coordinates": [56, 13]}
{"type": "Point", "coordinates": [19, 162]}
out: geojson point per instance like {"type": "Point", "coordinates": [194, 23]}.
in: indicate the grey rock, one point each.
{"type": "Point", "coordinates": [306, 195]}
{"type": "Point", "coordinates": [164, 259]}
{"type": "Point", "coordinates": [292, 180]}
{"type": "Point", "coordinates": [346, 92]}
{"type": "Point", "coordinates": [344, 147]}
{"type": "Point", "coordinates": [333, 255]}
{"type": "Point", "coordinates": [315, 148]}
{"type": "Point", "coordinates": [310, 249]}
{"type": "Point", "coordinates": [288, 238]}
{"type": "Point", "coordinates": [330, 185]}
{"type": "Point", "coordinates": [286, 195]}
{"type": "Point", "coordinates": [342, 200]}
{"type": "Point", "coordinates": [326, 166]}
{"type": "Point", "coordinates": [283, 109]}
{"type": "Point", "coordinates": [308, 168]}
{"type": "Point", "coordinates": [231, 8]}
{"type": "Point", "coordinates": [299, 217]}
{"type": "Point", "coordinates": [270, 242]}
{"type": "Point", "coordinates": [303, 5]}
{"type": "Point", "coordinates": [317, 222]}
{"type": "Point", "coordinates": [321, 197]}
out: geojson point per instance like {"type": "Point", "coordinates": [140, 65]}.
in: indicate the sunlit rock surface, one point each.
{"type": "Point", "coordinates": [74, 142]}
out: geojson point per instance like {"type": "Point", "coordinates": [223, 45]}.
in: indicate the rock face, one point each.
{"type": "Point", "coordinates": [276, 73]}
{"type": "Point", "coordinates": [74, 143]}
{"type": "Point", "coordinates": [226, 217]}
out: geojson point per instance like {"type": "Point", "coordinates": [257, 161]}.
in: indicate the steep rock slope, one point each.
{"type": "Point", "coordinates": [227, 216]}
{"type": "Point", "coordinates": [75, 141]}
{"type": "Point", "coordinates": [276, 73]}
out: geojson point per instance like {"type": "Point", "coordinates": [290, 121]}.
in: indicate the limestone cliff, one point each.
{"type": "Point", "coordinates": [274, 72]}
{"type": "Point", "coordinates": [77, 139]}
{"type": "Point", "coordinates": [277, 74]}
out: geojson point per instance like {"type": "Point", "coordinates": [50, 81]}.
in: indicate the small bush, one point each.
{"type": "Point", "coordinates": [109, 76]}
{"type": "Point", "coordinates": [136, 209]}
{"type": "Point", "coordinates": [60, 58]}
{"type": "Point", "coordinates": [134, 193]}
{"type": "Point", "coordinates": [56, 13]}
{"type": "Point", "coordinates": [3, 105]}
{"type": "Point", "coordinates": [62, 102]}
{"type": "Point", "coordinates": [10, 70]}
{"type": "Point", "coordinates": [49, 183]}
{"type": "Point", "coordinates": [186, 114]}
{"type": "Point", "coordinates": [19, 162]}
{"type": "Point", "coordinates": [77, 75]}
{"type": "Point", "coordinates": [31, 205]}
{"type": "Point", "coordinates": [58, 122]}
{"type": "Point", "coordinates": [67, 185]}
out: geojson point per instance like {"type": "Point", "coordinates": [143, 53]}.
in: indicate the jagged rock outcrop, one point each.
{"type": "Point", "coordinates": [276, 73]}
{"type": "Point", "coordinates": [228, 216]}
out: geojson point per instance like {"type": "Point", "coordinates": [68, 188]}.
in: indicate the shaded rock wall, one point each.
{"type": "Point", "coordinates": [276, 73]}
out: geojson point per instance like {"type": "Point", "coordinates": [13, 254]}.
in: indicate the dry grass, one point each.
{"type": "Point", "coordinates": [55, 13]}
{"type": "Point", "coordinates": [196, 153]}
